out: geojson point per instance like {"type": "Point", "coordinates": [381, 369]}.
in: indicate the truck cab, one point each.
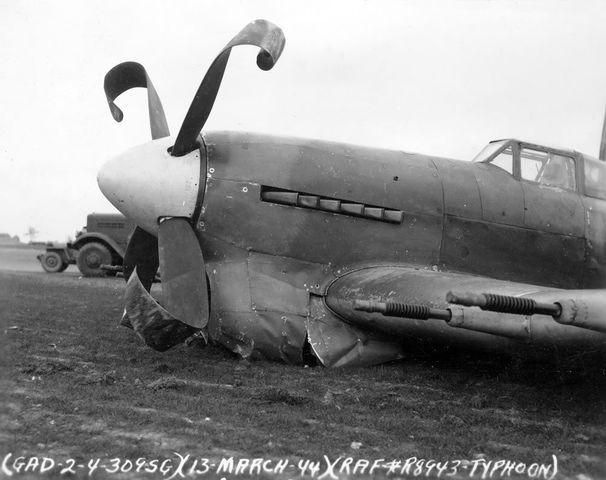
{"type": "Point", "coordinates": [103, 243]}
{"type": "Point", "coordinates": [100, 245]}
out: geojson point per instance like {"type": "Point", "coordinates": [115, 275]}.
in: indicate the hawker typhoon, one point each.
{"type": "Point", "coordinates": [285, 248]}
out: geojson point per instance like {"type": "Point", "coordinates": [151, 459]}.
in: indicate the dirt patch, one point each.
{"type": "Point", "coordinates": [280, 395]}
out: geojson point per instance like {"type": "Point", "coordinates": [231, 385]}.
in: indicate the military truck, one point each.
{"type": "Point", "coordinates": [98, 249]}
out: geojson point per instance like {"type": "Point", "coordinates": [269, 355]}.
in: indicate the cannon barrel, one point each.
{"type": "Point", "coordinates": [454, 317]}
{"type": "Point", "coordinates": [404, 310]}
{"type": "Point", "coordinates": [581, 308]}
{"type": "Point", "coordinates": [504, 303]}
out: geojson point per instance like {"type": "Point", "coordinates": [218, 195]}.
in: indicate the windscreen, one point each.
{"type": "Point", "coordinates": [595, 178]}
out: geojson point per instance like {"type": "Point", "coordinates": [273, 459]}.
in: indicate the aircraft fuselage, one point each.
{"type": "Point", "coordinates": [313, 200]}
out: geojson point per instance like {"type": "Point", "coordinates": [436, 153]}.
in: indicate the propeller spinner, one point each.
{"type": "Point", "coordinates": [161, 187]}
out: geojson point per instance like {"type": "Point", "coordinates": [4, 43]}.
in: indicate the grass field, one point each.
{"type": "Point", "coordinates": [76, 385]}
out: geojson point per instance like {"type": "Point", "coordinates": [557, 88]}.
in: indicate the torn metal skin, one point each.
{"type": "Point", "coordinates": [287, 308]}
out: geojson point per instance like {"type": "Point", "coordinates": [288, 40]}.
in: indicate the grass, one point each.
{"type": "Point", "coordinates": [80, 386]}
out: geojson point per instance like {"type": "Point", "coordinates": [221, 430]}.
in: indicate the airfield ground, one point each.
{"type": "Point", "coordinates": [76, 385]}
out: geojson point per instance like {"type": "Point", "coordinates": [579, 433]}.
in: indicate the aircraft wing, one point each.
{"type": "Point", "coordinates": [344, 335]}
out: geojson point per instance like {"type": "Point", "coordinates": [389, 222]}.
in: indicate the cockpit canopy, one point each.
{"type": "Point", "coordinates": [547, 166]}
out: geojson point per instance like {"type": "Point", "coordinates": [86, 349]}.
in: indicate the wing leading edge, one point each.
{"type": "Point", "coordinates": [453, 325]}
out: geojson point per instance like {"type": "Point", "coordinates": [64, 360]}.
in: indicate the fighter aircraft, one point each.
{"type": "Point", "coordinates": [281, 248]}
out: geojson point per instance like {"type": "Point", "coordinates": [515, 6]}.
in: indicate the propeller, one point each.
{"type": "Point", "coordinates": [184, 285]}
{"type": "Point", "coordinates": [129, 75]}
{"type": "Point", "coordinates": [261, 33]}
{"type": "Point", "coordinates": [176, 250]}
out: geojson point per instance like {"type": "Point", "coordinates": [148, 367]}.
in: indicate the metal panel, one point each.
{"type": "Point", "coordinates": [501, 195]}
{"type": "Point", "coordinates": [595, 260]}
{"type": "Point", "coordinates": [512, 253]}
{"type": "Point", "coordinates": [337, 344]}
{"type": "Point", "coordinates": [392, 179]}
{"type": "Point", "coordinates": [260, 303]}
{"type": "Point", "coordinates": [234, 213]}
{"type": "Point", "coordinates": [461, 193]}
{"type": "Point", "coordinates": [282, 284]}
{"type": "Point", "coordinates": [553, 210]}
{"type": "Point", "coordinates": [229, 287]}
{"type": "Point", "coordinates": [263, 335]}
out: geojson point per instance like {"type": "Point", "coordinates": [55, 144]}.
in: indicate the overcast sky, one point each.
{"type": "Point", "coordinates": [435, 77]}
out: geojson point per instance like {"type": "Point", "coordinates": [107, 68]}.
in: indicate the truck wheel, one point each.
{"type": "Point", "coordinates": [52, 262]}
{"type": "Point", "coordinates": [90, 258]}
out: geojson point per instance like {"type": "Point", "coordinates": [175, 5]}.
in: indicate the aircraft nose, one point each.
{"type": "Point", "coordinates": [146, 183]}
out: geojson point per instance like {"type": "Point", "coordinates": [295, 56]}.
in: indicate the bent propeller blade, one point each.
{"type": "Point", "coordinates": [261, 33]}
{"type": "Point", "coordinates": [153, 323]}
{"type": "Point", "coordinates": [125, 76]}
{"type": "Point", "coordinates": [184, 285]}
